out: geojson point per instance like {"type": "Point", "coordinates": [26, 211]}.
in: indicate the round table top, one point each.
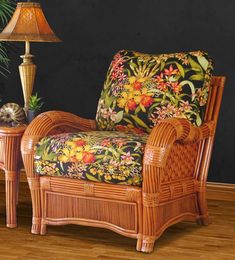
{"type": "Point", "coordinates": [9, 129]}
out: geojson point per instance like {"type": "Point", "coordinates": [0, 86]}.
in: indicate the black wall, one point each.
{"type": "Point", "coordinates": [70, 74]}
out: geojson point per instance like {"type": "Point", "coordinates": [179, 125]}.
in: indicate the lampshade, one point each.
{"type": "Point", "coordinates": [28, 23]}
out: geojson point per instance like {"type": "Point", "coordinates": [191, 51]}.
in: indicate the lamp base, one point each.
{"type": "Point", "coordinates": [27, 71]}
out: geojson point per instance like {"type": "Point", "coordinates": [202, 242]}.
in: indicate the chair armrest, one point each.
{"type": "Point", "coordinates": [172, 130]}
{"type": "Point", "coordinates": [52, 122]}
{"type": "Point", "coordinates": [160, 144]}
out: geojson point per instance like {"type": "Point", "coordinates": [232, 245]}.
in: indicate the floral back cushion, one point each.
{"type": "Point", "coordinates": [141, 89]}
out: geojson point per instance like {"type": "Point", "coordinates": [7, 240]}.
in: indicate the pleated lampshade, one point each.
{"type": "Point", "coordinates": [28, 23]}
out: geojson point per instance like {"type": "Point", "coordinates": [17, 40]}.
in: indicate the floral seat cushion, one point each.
{"type": "Point", "coordinates": [140, 89]}
{"type": "Point", "coordinates": [102, 156]}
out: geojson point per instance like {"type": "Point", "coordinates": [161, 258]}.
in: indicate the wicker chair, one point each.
{"type": "Point", "coordinates": [175, 162]}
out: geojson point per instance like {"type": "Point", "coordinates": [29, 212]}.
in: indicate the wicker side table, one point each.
{"type": "Point", "coordinates": [10, 162]}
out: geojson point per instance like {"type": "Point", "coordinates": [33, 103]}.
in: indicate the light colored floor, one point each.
{"type": "Point", "coordinates": [182, 241]}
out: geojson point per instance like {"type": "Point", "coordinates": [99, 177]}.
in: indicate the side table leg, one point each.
{"type": "Point", "coordinates": [17, 186]}
{"type": "Point", "coordinates": [11, 162]}
{"type": "Point", "coordinates": [11, 198]}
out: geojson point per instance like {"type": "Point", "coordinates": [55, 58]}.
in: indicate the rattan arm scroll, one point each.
{"type": "Point", "coordinates": [169, 131]}
{"type": "Point", "coordinates": [53, 122]}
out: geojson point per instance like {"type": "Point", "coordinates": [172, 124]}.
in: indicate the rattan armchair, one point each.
{"type": "Point", "coordinates": [174, 171]}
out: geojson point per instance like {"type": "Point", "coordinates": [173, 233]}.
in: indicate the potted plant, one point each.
{"type": "Point", "coordinates": [35, 105]}
{"type": "Point", "coordinates": [6, 10]}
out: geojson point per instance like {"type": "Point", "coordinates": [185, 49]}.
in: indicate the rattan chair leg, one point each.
{"type": "Point", "coordinates": [203, 218]}
{"type": "Point", "coordinates": [149, 227]}
{"type": "Point", "coordinates": [36, 203]}
{"type": "Point", "coordinates": [202, 177]}
{"type": "Point", "coordinates": [43, 230]}
{"type": "Point", "coordinates": [148, 244]}
{"type": "Point", "coordinates": [139, 244]}
{"type": "Point", "coordinates": [35, 229]}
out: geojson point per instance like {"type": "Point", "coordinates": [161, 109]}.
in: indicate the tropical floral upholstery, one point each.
{"type": "Point", "coordinates": [140, 89]}
{"type": "Point", "coordinates": [102, 156]}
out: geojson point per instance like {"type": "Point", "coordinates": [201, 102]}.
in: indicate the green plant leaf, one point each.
{"type": "Point", "coordinates": [142, 108]}
{"type": "Point", "coordinates": [187, 82]}
{"type": "Point", "coordinates": [195, 66]}
{"type": "Point", "coordinates": [108, 101]}
{"type": "Point", "coordinates": [133, 64]}
{"type": "Point", "coordinates": [128, 72]}
{"type": "Point", "coordinates": [139, 122]}
{"type": "Point", "coordinates": [198, 120]}
{"type": "Point", "coordinates": [61, 166]}
{"type": "Point", "coordinates": [91, 178]}
{"type": "Point", "coordinates": [171, 97]}
{"type": "Point", "coordinates": [137, 110]}
{"type": "Point", "coordinates": [203, 62]}
{"type": "Point", "coordinates": [119, 117]}
{"type": "Point", "coordinates": [127, 120]}
{"type": "Point", "coordinates": [181, 69]}
{"type": "Point", "coordinates": [6, 10]}
{"type": "Point", "coordinates": [197, 77]}
{"type": "Point", "coordinates": [162, 65]}
{"type": "Point", "coordinates": [35, 103]}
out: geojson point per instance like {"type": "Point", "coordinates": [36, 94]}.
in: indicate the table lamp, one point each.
{"type": "Point", "coordinates": [28, 24]}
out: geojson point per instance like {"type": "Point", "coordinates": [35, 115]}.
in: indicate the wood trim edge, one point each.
{"type": "Point", "coordinates": [214, 190]}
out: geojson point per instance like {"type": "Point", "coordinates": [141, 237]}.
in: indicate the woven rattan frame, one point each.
{"type": "Point", "coordinates": [175, 168]}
